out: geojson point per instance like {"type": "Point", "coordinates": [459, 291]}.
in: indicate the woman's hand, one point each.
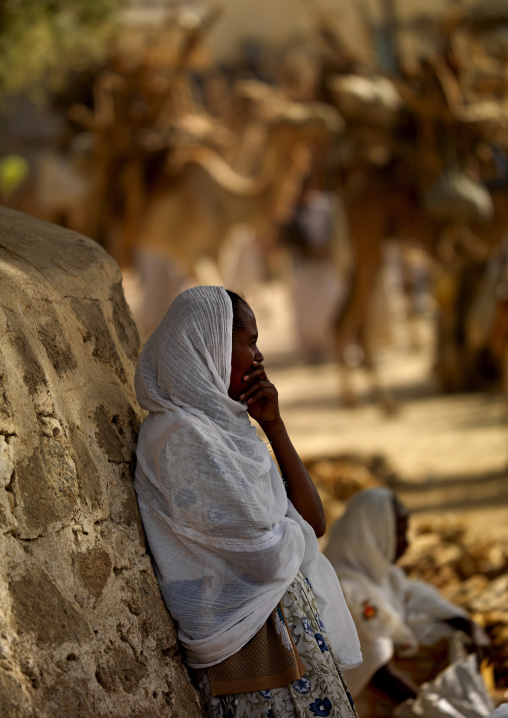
{"type": "Point", "coordinates": [261, 396]}
{"type": "Point", "coordinates": [479, 641]}
{"type": "Point", "coordinates": [263, 405]}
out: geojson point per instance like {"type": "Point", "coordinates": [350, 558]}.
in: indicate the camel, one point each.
{"type": "Point", "coordinates": [189, 214]}
{"type": "Point", "coordinates": [383, 209]}
{"type": "Point", "coordinates": [141, 110]}
{"type": "Point", "coordinates": [377, 208]}
{"type": "Point", "coordinates": [437, 129]}
{"type": "Point", "coordinates": [428, 120]}
{"type": "Point", "coordinates": [58, 188]}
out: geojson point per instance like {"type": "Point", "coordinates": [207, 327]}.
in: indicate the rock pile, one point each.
{"type": "Point", "coordinates": [337, 479]}
{"type": "Point", "coordinates": [469, 571]}
{"type": "Point", "coordinates": [83, 628]}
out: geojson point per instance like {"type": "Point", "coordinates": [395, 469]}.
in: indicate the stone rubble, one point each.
{"type": "Point", "coordinates": [468, 570]}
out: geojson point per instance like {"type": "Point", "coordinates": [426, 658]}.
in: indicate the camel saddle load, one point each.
{"type": "Point", "coordinates": [455, 196]}
{"type": "Point", "coordinates": [374, 100]}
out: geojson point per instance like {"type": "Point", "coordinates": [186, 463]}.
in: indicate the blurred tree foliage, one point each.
{"type": "Point", "coordinates": [41, 40]}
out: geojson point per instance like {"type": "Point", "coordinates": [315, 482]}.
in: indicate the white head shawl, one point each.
{"type": "Point", "coordinates": [362, 541]}
{"type": "Point", "coordinates": [225, 540]}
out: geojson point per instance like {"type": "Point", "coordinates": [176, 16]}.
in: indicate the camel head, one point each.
{"type": "Point", "coordinates": [256, 101]}
{"type": "Point", "coordinates": [306, 123]}
{"type": "Point", "coordinates": [266, 104]}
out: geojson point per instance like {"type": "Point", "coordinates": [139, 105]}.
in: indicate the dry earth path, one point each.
{"type": "Point", "coordinates": [448, 453]}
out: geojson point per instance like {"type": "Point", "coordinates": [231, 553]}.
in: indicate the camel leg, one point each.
{"type": "Point", "coordinates": [380, 393]}
{"type": "Point", "coordinates": [348, 395]}
{"type": "Point", "coordinates": [355, 326]}
{"type": "Point", "coordinates": [352, 328]}
{"type": "Point", "coordinates": [343, 334]}
{"type": "Point", "coordinates": [383, 315]}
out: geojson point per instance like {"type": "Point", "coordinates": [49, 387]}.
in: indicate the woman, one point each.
{"type": "Point", "coordinates": [259, 610]}
{"type": "Point", "coordinates": [404, 626]}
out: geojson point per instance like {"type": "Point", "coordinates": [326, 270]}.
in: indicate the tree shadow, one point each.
{"type": "Point", "coordinates": [459, 492]}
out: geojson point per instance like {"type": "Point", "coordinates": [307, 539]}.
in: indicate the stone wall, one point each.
{"type": "Point", "coordinates": [83, 629]}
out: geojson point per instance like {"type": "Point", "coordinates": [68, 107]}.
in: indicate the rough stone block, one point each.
{"type": "Point", "coordinates": [83, 628]}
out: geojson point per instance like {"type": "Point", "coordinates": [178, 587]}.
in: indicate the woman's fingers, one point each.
{"type": "Point", "coordinates": [255, 379]}
{"type": "Point", "coordinates": [256, 373]}
{"type": "Point", "coordinates": [261, 393]}
{"type": "Point", "coordinates": [259, 388]}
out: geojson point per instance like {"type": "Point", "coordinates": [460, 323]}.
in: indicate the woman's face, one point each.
{"type": "Point", "coordinates": [244, 354]}
{"type": "Point", "coordinates": [401, 528]}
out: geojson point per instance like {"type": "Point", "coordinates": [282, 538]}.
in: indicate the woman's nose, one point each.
{"type": "Point", "coordinates": [259, 357]}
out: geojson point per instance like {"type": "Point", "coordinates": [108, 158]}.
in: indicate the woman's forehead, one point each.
{"type": "Point", "coordinates": [249, 325]}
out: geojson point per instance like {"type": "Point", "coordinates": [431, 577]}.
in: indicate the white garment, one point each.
{"type": "Point", "coordinates": [317, 296]}
{"type": "Point", "coordinates": [225, 540]}
{"type": "Point", "coordinates": [457, 692]}
{"type": "Point", "coordinates": [392, 613]}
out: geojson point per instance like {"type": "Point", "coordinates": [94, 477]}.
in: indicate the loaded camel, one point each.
{"type": "Point", "coordinates": [429, 122]}
{"type": "Point", "coordinates": [122, 120]}
{"type": "Point", "coordinates": [385, 209]}
{"type": "Point", "coordinates": [189, 213]}
{"type": "Point", "coordinates": [431, 129]}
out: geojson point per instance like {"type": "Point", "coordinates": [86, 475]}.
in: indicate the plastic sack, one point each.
{"type": "Point", "coordinates": [457, 692]}
{"type": "Point", "coordinates": [500, 712]}
{"type": "Point", "coordinates": [454, 196]}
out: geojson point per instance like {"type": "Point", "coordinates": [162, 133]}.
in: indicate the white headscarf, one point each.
{"type": "Point", "coordinates": [225, 540]}
{"type": "Point", "coordinates": [363, 540]}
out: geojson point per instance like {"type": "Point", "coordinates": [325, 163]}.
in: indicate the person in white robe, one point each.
{"type": "Point", "coordinates": [231, 540]}
{"type": "Point", "coordinates": [404, 625]}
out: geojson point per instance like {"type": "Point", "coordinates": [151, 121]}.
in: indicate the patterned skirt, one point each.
{"type": "Point", "coordinates": [321, 691]}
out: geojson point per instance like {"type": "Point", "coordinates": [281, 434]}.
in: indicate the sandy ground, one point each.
{"type": "Point", "coordinates": [449, 453]}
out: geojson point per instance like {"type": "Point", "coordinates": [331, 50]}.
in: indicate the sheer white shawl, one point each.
{"type": "Point", "coordinates": [225, 540]}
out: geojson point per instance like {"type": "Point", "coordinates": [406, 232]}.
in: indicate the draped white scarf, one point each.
{"type": "Point", "coordinates": [225, 540]}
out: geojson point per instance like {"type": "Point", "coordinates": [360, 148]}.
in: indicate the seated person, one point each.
{"type": "Point", "coordinates": [404, 626]}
